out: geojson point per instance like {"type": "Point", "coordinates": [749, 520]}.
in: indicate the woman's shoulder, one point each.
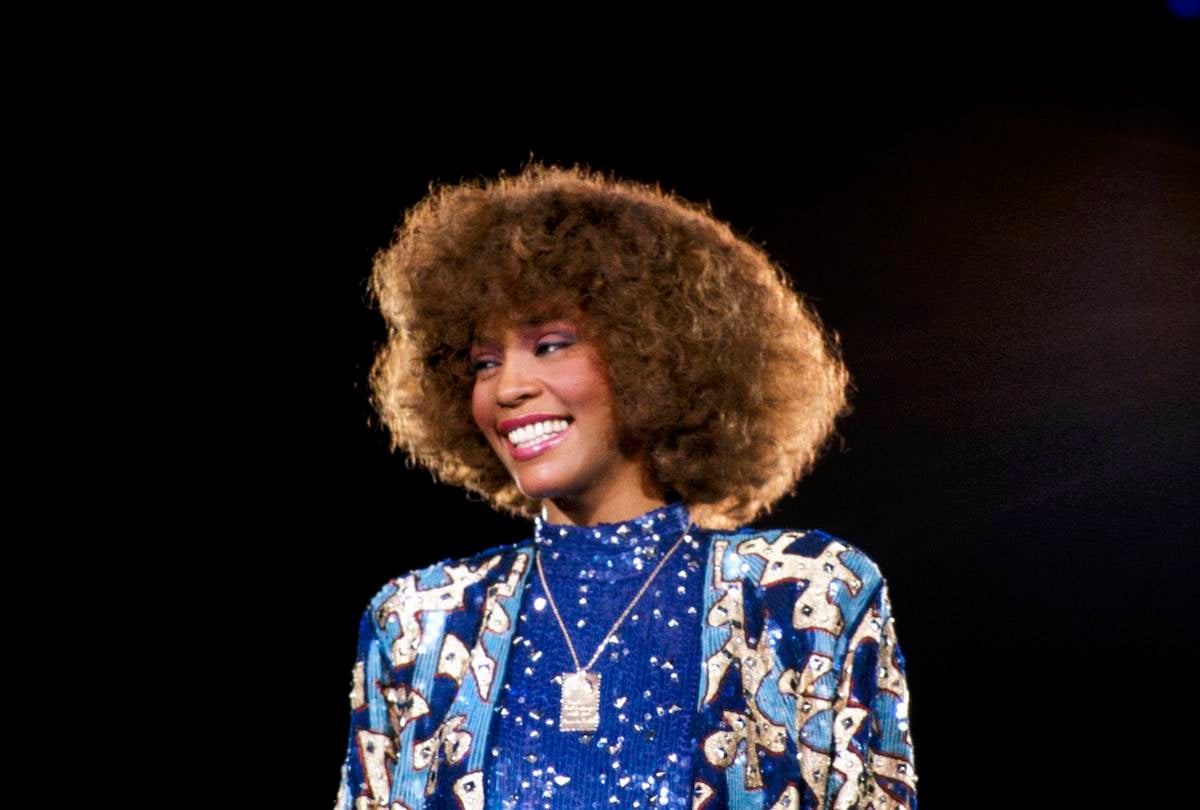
{"type": "Point", "coordinates": [779, 549]}
{"type": "Point", "coordinates": [443, 584]}
{"type": "Point", "coordinates": [812, 561]}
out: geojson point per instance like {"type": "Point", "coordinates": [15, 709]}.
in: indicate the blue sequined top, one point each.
{"type": "Point", "coordinates": [649, 670]}
{"type": "Point", "coordinates": [759, 671]}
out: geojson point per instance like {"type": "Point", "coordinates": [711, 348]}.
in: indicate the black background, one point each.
{"type": "Point", "coordinates": [1012, 269]}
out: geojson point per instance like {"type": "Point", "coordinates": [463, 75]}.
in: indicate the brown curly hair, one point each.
{"type": "Point", "coordinates": [720, 370]}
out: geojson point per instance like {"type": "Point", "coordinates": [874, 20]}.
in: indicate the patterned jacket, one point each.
{"type": "Point", "coordinates": [803, 701]}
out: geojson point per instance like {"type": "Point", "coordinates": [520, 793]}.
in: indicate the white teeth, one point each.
{"type": "Point", "coordinates": [531, 433]}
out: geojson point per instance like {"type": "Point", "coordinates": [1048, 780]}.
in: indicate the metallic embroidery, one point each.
{"type": "Point", "coordinates": [358, 695]}
{"type": "Point", "coordinates": [754, 663]}
{"type": "Point", "coordinates": [814, 770]}
{"type": "Point", "coordinates": [790, 800]}
{"type": "Point", "coordinates": [800, 685]}
{"type": "Point", "coordinates": [721, 747]}
{"type": "Point", "coordinates": [846, 759]}
{"type": "Point", "coordinates": [496, 622]}
{"type": "Point", "coordinates": [814, 609]}
{"type": "Point", "coordinates": [409, 602]}
{"type": "Point", "coordinates": [404, 705]}
{"type": "Point", "coordinates": [896, 768]}
{"type": "Point", "coordinates": [449, 740]}
{"type": "Point", "coordinates": [454, 659]}
{"type": "Point", "coordinates": [849, 733]}
{"type": "Point", "coordinates": [814, 765]}
{"type": "Point", "coordinates": [469, 791]}
{"type": "Point", "coordinates": [375, 750]}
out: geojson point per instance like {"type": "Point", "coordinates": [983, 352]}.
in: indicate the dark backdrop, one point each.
{"type": "Point", "coordinates": [1014, 279]}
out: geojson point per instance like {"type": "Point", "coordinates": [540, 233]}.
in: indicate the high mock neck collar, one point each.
{"type": "Point", "coordinates": [610, 550]}
{"type": "Point", "coordinates": [664, 521]}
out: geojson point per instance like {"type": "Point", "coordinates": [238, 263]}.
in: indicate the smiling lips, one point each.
{"type": "Point", "coordinates": [533, 436]}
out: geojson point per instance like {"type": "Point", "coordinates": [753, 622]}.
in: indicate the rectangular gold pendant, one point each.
{"type": "Point", "coordinates": [580, 707]}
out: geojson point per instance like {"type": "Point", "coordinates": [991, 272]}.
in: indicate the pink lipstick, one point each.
{"type": "Point", "coordinates": [541, 446]}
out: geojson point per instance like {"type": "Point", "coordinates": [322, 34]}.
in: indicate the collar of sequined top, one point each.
{"type": "Point", "coordinates": [608, 551]}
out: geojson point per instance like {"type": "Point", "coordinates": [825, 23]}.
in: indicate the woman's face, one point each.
{"type": "Point", "coordinates": [543, 400]}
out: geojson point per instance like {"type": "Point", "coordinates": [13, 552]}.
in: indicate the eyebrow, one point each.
{"type": "Point", "coordinates": [487, 337]}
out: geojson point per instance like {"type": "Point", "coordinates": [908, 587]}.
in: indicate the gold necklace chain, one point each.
{"type": "Point", "coordinates": [553, 607]}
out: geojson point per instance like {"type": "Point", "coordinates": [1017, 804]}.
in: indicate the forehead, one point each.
{"type": "Point", "coordinates": [523, 332]}
{"type": "Point", "coordinates": [493, 329]}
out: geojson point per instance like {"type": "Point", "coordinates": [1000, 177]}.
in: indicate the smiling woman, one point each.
{"type": "Point", "coordinates": [544, 402]}
{"type": "Point", "coordinates": [615, 363]}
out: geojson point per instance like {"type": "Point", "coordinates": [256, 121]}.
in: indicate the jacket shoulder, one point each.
{"type": "Point", "coordinates": [773, 548]}
{"type": "Point", "coordinates": [445, 580]}
{"type": "Point", "coordinates": [810, 561]}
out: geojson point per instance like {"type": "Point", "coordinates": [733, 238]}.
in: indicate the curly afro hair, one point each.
{"type": "Point", "coordinates": [720, 371]}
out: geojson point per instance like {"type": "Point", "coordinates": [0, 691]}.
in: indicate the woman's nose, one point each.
{"type": "Point", "coordinates": [517, 381]}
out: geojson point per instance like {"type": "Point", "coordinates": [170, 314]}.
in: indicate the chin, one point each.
{"type": "Point", "coordinates": [539, 488]}
{"type": "Point", "coordinates": [539, 493]}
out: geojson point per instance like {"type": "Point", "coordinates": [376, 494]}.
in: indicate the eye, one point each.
{"type": "Point", "coordinates": [481, 364]}
{"type": "Point", "coordinates": [551, 346]}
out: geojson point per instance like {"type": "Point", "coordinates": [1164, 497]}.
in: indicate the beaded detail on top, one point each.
{"type": "Point", "coordinates": [649, 669]}
{"type": "Point", "coordinates": [761, 671]}
{"type": "Point", "coordinates": [610, 551]}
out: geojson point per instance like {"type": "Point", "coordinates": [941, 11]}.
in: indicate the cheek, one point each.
{"type": "Point", "coordinates": [587, 385]}
{"type": "Point", "coordinates": [479, 410]}
{"type": "Point", "coordinates": [594, 402]}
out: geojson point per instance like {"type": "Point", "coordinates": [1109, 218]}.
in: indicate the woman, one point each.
{"type": "Point", "coordinates": [613, 362]}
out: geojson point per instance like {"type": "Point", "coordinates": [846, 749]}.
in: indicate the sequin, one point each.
{"type": "Point", "coordinates": [665, 755]}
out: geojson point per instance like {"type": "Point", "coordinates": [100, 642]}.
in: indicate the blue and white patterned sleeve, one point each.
{"type": "Point", "coordinates": [872, 751]}
{"type": "Point", "coordinates": [368, 745]}
{"type": "Point", "coordinates": [380, 705]}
